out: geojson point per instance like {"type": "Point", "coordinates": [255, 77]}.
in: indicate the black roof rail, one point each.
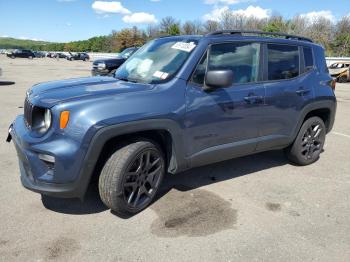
{"type": "Point", "coordinates": [241, 32]}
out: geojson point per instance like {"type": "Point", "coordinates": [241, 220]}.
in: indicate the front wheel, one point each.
{"type": "Point", "coordinates": [308, 145]}
{"type": "Point", "coordinates": [131, 177]}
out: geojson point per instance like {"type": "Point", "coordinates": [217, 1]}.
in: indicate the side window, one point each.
{"type": "Point", "coordinates": [241, 58]}
{"type": "Point", "coordinates": [283, 61]}
{"type": "Point", "coordinates": [199, 73]}
{"type": "Point", "coordinates": [308, 59]}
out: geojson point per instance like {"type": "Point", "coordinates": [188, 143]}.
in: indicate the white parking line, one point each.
{"type": "Point", "coordinates": [341, 134]}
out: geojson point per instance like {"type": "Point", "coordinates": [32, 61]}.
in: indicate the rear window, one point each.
{"type": "Point", "coordinates": [283, 61]}
{"type": "Point", "coordinates": [308, 59]}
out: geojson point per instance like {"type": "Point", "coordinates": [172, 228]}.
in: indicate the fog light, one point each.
{"type": "Point", "coordinates": [47, 158]}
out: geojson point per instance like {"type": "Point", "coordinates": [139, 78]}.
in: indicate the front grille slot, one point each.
{"type": "Point", "coordinates": [28, 113]}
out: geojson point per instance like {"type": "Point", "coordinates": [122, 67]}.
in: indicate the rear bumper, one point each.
{"type": "Point", "coordinates": [37, 175]}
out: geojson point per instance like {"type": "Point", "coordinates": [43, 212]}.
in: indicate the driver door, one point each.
{"type": "Point", "coordinates": [223, 123]}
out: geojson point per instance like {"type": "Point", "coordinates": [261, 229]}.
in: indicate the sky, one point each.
{"type": "Point", "coordinates": [70, 20]}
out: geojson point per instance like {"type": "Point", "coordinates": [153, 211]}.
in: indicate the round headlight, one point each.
{"type": "Point", "coordinates": [47, 118]}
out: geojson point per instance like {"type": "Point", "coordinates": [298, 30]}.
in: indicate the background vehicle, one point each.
{"type": "Point", "coordinates": [340, 71]}
{"type": "Point", "coordinates": [39, 54]}
{"type": "Point", "coordinates": [109, 66]}
{"type": "Point", "coordinates": [50, 54]}
{"type": "Point", "coordinates": [178, 103]}
{"type": "Point", "coordinates": [22, 53]}
{"type": "Point", "coordinates": [60, 55]}
{"type": "Point", "coordinates": [78, 56]}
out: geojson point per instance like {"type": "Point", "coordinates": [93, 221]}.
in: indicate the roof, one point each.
{"type": "Point", "coordinates": [259, 33]}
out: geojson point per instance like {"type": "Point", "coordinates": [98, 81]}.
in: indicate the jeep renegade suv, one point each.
{"type": "Point", "coordinates": [179, 102]}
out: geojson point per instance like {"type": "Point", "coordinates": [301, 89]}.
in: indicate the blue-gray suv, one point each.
{"type": "Point", "coordinates": [179, 102]}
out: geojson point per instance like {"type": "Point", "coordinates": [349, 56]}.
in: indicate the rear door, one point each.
{"type": "Point", "coordinates": [289, 87]}
{"type": "Point", "coordinates": [224, 123]}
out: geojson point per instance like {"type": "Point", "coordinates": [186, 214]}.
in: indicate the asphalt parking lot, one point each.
{"type": "Point", "coordinates": [256, 208]}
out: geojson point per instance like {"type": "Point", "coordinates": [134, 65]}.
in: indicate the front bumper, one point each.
{"type": "Point", "coordinates": [40, 176]}
{"type": "Point", "coordinates": [99, 72]}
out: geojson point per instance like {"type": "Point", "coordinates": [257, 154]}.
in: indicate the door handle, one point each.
{"type": "Point", "coordinates": [302, 91]}
{"type": "Point", "coordinates": [253, 99]}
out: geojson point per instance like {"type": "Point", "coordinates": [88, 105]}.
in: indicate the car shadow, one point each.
{"type": "Point", "coordinates": [230, 169]}
{"type": "Point", "coordinates": [6, 83]}
{"type": "Point", "coordinates": [92, 203]}
{"type": "Point", "coordinates": [188, 180]}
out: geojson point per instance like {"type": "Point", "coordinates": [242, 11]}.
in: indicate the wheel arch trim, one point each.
{"type": "Point", "coordinates": [106, 133]}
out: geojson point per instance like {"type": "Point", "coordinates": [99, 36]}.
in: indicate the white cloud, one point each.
{"type": "Point", "coordinates": [68, 24]}
{"type": "Point", "coordinates": [109, 7]}
{"type": "Point", "coordinates": [4, 36]}
{"type": "Point", "coordinates": [28, 38]}
{"type": "Point", "coordinates": [216, 13]}
{"type": "Point", "coordinates": [139, 18]}
{"type": "Point", "coordinates": [250, 11]}
{"type": "Point", "coordinates": [316, 14]}
{"type": "Point", "coordinates": [65, 1]}
{"type": "Point", "coordinates": [155, 1]}
{"type": "Point", "coordinates": [226, 2]}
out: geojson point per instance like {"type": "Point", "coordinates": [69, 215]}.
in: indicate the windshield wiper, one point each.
{"type": "Point", "coordinates": [126, 79]}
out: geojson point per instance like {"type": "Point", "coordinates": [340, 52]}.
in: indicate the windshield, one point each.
{"type": "Point", "coordinates": [126, 53]}
{"type": "Point", "coordinates": [157, 61]}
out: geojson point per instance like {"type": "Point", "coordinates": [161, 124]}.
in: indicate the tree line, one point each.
{"type": "Point", "coordinates": [333, 36]}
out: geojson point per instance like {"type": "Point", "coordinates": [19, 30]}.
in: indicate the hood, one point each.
{"type": "Point", "coordinates": [109, 61]}
{"type": "Point", "coordinates": [52, 93]}
{"type": "Point", "coordinates": [337, 71]}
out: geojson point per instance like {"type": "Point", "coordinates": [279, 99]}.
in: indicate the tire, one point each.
{"type": "Point", "coordinates": [343, 79]}
{"type": "Point", "coordinates": [13, 57]}
{"type": "Point", "coordinates": [128, 181]}
{"type": "Point", "coordinates": [30, 57]}
{"type": "Point", "coordinates": [71, 59]}
{"type": "Point", "coordinates": [308, 145]}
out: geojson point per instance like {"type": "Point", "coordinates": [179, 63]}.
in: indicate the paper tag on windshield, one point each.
{"type": "Point", "coordinates": [160, 74]}
{"type": "Point", "coordinates": [187, 47]}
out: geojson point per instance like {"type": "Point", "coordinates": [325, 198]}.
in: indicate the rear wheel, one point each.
{"type": "Point", "coordinates": [131, 177]}
{"type": "Point", "coordinates": [343, 79]}
{"type": "Point", "coordinates": [308, 145]}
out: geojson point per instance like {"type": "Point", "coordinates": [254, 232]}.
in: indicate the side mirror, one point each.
{"type": "Point", "coordinates": [218, 79]}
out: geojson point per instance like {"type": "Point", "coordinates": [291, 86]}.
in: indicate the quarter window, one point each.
{"type": "Point", "coordinates": [308, 59]}
{"type": "Point", "coordinates": [283, 61]}
{"type": "Point", "coordinates": [241, 58]}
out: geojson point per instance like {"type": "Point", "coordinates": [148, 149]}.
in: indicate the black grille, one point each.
{"type": "Point", "coordinates": [28, 113]}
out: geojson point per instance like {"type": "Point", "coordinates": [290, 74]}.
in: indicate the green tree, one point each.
{"type": "Point", "coordinates": [174, 29]}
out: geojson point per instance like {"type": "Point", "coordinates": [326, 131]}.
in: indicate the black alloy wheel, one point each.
{"type": "Point", "coordinates": [308, 145]}
{"type": "Point", "coordinates": [312, 141]}
{"type": "Point", "coordinates": [131, 177]}
{"type": "Point", "coordinates": [142, 178]}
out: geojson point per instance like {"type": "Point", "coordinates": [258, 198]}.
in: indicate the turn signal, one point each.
{"type": "Point", "coordinates": [64, 118]}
